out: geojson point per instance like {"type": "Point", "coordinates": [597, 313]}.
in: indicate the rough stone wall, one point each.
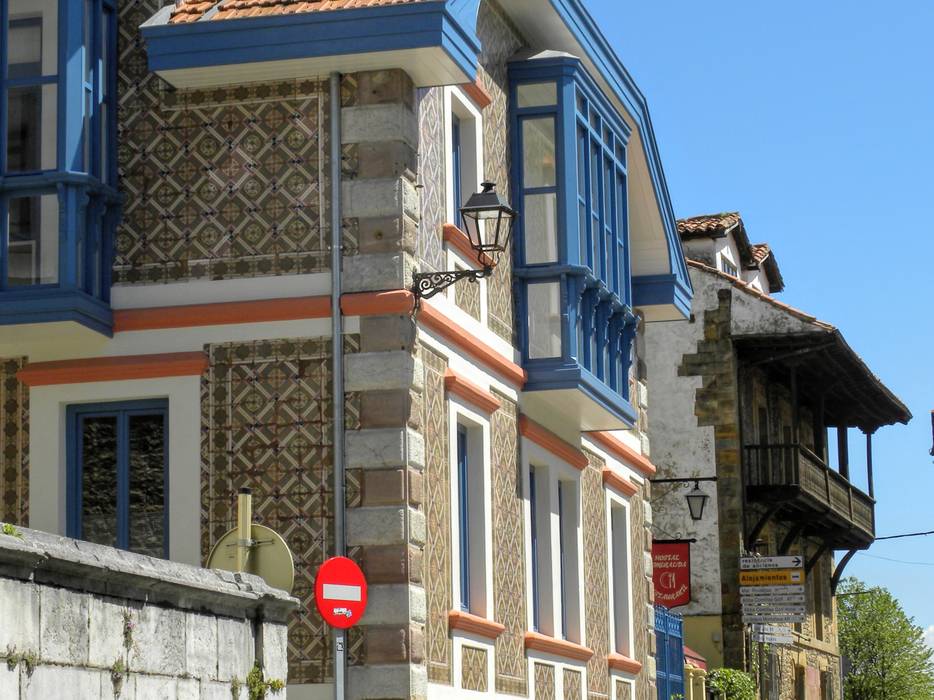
{"type": "Point", "coordinates": [643, 591]}
{"type": "Point", "coordinates": [500, 40]}
{"type": "Point", "coordinates": [596, 591]}
{"type": "Point", "coordinates": [14, 444]}
{"type": "Point", "coordinates": [87, 621]}
{"type": "Point", "coordinates": [219, 183]}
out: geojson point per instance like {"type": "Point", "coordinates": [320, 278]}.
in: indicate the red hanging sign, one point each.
{"type": "Point", "coordinates": [671, 572]}
{"type": "Point", "coordinates": [340, 592]}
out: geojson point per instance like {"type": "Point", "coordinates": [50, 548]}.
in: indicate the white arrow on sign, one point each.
{"type": "Point", "coordinates": [772, 599]}
{"type": "Point", "coordinates": [771, 629]}
{"type": "Point", "coordinates": [753, 563]}
{"type": "Point", "coordinates": [773, 639]}
{"type": "Point", "coordinates": [769, 590]}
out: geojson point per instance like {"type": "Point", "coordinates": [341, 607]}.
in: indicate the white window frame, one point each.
{"type": "Point", "coordinates": [620, 602]}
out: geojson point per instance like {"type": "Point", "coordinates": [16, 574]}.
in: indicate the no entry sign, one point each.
{"type": "Point", "coordinates": [340, 592]}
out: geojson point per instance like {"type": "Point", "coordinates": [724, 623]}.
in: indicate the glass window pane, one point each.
{"type": "Point", "coordinates": [32, 244]}
{"type": "Point", "coordinates": [147, 484]}
{"type": "Point", "coordinates": [538, 152]}
{"type": "Point", "coordinates": [541, 228]}
{"type": "Point", "coordinates": [537, 95]}
{"type": "Point", "coordinates": [33, 38]}
{"type": "Point", "coordinates": [99, 479]}
{"type": "Point", "coordinates": [544, 320]}
{"type": "Point", "coordinates": [31, 129]}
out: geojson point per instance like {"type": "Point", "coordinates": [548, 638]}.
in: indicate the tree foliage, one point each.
{"type": "Point", "coordinates": [885, 650]}
{"type": "Point", "coordinates": [731, 684]}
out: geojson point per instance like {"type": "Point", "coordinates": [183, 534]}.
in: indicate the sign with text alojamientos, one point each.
{"type": "Point", "coordinates": [671, 572]}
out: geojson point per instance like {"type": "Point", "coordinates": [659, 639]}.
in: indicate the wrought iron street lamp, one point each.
{"type": "Point", "coordinates": [697, 499]}
{"type": "Point", "coordinates": [488, 221]}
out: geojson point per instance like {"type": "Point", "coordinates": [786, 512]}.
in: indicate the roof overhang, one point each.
{"type": "Point", "coordinates": [435, 42]}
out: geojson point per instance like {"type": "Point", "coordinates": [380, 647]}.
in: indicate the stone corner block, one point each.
{"type": "Point", "coordinates": [393, 121]}
{"type": "Point", "coordinates": [235, 648]}
{"type": "Point", "coordinates": [19, 611]}
{"type": "Point", "coordinates": [381, 371]}
{"type": "Point", "coordinates": [378, 681]}
{"type": "Point", "coordinates": [384, 447]}
{"type": "Point", "coordinates": [384, 525]}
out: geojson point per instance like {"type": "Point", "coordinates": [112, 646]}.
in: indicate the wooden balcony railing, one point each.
{"type": "Point", "coordinates": [793, 465]}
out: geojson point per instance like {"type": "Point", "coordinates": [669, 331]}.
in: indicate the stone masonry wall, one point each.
{"type": "Point", "coordinates": [84, 621]}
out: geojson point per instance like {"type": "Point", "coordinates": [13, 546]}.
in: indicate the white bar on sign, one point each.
{"type": "Point", "coordinates": [769, 590]}
{"type": "Point", "coordinates": [777, 617]}
{"type": "Point", "coordinates": [754, 563]}
{"type": "Point", "coordinates": [336, 591]}
{"type": "Point", "coordinates": [771, 629]}
{"type": "Point", "coordinates": [773, 639]}
{"type": "Point", "coordinates": [772, 599]}
{"type": "Point", "coordinates": [797, 609]}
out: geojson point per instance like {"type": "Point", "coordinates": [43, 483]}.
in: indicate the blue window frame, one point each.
{"type": "Point", "coordinates": [463, 506]}
{"type": "Point", "coordinates": [58, 200]}
{"type": "Point", "coordinates": [533, 527]}
{"type": "Point", "coordinates": [118, 475]}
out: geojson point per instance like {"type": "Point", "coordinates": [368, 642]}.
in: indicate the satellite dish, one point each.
{"type": "Point", "coordinates": [263, 553]}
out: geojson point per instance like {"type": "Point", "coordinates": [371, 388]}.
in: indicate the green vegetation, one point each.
{"type": "Point", "coordinates": [732, 684]}
{"type": "Point", "coordinates": [258, 686]}
{"type": "Point", "coordinates": [10, 530]}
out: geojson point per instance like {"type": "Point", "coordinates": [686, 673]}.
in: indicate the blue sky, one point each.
{"type": "Point", "coordinates": [816, 122]}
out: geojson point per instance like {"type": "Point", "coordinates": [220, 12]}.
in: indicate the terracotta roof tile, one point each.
{"type": "Point", "coordinates": [195, 10]}
{"type": "Point", "coordinates": [708, 224]}
{"type": "Point", "coordinates": [760, 251]}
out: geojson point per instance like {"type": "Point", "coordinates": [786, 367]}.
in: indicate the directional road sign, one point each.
{"type": "Point", "coordinates": [771, 629]}
{"type": "Point", "coordinates": [773, 639]}
{"type": "Point", "coordinates": [772, 577]}
{"type": "Point", "coordinates": [772, 617]}
{"type": "Point", "coordinates": [770, 590]}
{"type": "Point", "coordinates": [774, 599]}
{"type": "Point", "coordinates": [768, 609]}
{"type": "Point", "coordinates": [754, 563]}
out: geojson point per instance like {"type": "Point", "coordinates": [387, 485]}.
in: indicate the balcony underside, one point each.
{"type": "Point", "coordinates": [43, 314]}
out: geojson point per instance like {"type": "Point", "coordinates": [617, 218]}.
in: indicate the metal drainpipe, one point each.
{"type": "Point", "coordinates": [337, 355]}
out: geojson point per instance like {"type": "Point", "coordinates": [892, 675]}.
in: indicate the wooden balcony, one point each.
{"type": "Point", "coordinates": [809, 491]}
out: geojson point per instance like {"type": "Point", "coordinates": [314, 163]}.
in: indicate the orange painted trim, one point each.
{"type": "Point", "coordinates": [106, 369]}
{"type": "Point", "coordinates": [620, 483]}
{"type": "Point", "coordinates": [470, 392]}
{"type": "Point", "coordinates": [476, 92]}
{"type": "Point", "coordinates": [399, 301]}
{"type": "Point", "coordinates": [436, 320]}
{"type": "Point", "coordinates": [466, 622]}
{"type": "Point", "coordinates": [545, 438]}
{"type": "Point", "coordinates": [558, 647]}
{"type": "Point", "coordinates": [618, 662]}
{"type": "Point", "coordinates": [623, 451]}
{"type": "Point", "coordinates": [460, 241]}
{"type": "Point", "coordinates": [221, 313]}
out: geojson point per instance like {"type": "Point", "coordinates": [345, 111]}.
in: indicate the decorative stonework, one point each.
{"type": "Point", "coordinates": [474, 669]}
{"type": "Point", "coordinates": [431, 177]}
{"type": "Point", "coordinates": [14, 444]}
{"type": "Point", "coordinates": [643, 618]}
{"type": "Point", "coordinates": [572, 685]}
{"type": "Point", "coordinates": [623, 690]}
{"type": "Point", "coordinates": [438, 516]}
{"type": "Point", "coordinates": [467, 297]}
{"type": "Point", "coordinates": [509, 597]}
{"type": "Point", "coordinates": [544, 682]}
{"type": "Point", "coordinates": [266, 424]}
{"type": "Point", "coordinates": [596, 602]}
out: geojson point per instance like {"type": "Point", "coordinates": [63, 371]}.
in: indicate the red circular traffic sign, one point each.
{"type": "Point", "coordinates": [340, 592]}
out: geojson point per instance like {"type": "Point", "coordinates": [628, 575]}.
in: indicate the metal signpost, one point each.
{"type": "Point", "coordinates": [772, 590]}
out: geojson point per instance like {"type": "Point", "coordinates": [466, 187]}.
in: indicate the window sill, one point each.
{"type": "Point", "coordinates": [470, 392]}
{"type": "Point", "coordinates": [618, 483]}
{"type": "Point", "coordinates": [460, 242]}
{"type": "Point", "coordinates": [480, 626]}
{"type": "Point", "coordinates": [618, 662]}
{"type": "Point", "coordinates": [557, 647]}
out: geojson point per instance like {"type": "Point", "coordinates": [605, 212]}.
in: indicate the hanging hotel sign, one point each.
{"type": "Point", "coordinates": [671, 572]}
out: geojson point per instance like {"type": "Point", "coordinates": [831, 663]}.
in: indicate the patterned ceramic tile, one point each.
{"type": "Point", "coordinates": [220, 183]}
{"type": "Point", "coordinates": [467, 297]}
{"type": "Point", "coordinates": [473, 669]}
{"type": "Point", "coordinates": [431, 176]}
{"type": "Point", "coordinates": [508, 552]}
{"type": "Point", "coordinates": [266, 423]}
{"type": "Point", "coordinates": [596, 602]}
{"type": "Point", "coordinates": [437, 557]}
{"type": "Point", "coordinates": [14, 444]}
{"type": "Point", "coordinates": [544, 682]}
{"type": "Point", "coordinates": [644, 688]}
{"type": "Point", "coordinates": [572, 684]}
{"type": "Point", "coordinates": [623, 690]}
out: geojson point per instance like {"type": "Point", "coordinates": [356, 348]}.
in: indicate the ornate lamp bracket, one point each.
{"type": "Point", "coordinates": [426, 284]}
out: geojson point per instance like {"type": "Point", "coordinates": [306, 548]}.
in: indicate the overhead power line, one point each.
{"type": "Point", "coordinates": [909, 534]}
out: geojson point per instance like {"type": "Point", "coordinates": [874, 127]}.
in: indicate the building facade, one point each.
{"type": "Point", "coordinates": [211, 217]}
{"type": "Point", "coordinates": [751, 391]}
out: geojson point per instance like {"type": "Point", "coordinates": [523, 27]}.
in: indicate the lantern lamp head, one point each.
{"type": "Point", "coordinates": [697, 499]}
{"type": "Point", "coordinates": [488, 220]}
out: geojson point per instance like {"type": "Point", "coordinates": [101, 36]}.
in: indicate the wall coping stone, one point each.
{"type": "Point", "coordinates": [48, 559]}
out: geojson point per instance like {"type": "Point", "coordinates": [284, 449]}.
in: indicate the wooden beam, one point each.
{"type": "Point", "coordinates": [869, 463]}
{"type": "Point", "coordinates": [843, 452]}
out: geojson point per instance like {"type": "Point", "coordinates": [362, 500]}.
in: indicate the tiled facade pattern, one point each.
{"type": "Point", "coordinates": [437, 557]}
{"type": "Point", "coordinates": [509, 595]}
{"type": "Point", "coordinates": [623, 690]}
{"type": "Point", "coordinates": [266, 424]}
{"type": "Point", "coordinates": [643, 616]}
{"type": "Point", "coordinates": [220, 183]}
{"type": "Point", "coordinates": [544, 679]}
{"type": "Point", "coordinates": [467, 297]}
{"type": "Point", "coordinates": [596, 557]}
{"type": "Point", "coordinates": [474, 669]}
{"type": "Point", "coordinates": [431, 177]}
{"type": "Point", "coordinates": [572, 685]}
{"type": "Point", "coordinates": [500, 40]}
{"type": "Point", "coordinates": [14, 444]}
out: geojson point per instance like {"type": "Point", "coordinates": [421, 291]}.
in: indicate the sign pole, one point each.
{"type": "Point", "coordinates": [244, 526]}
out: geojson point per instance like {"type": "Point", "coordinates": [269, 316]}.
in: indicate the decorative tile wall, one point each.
{"type": "Point", "coordinates": [474, 669]}
{"type": "Point", "coordinates": [500, 41]}
{"type": "Point", "coordinates": [544, 682]}
{"type": "Point", "coordinates": [467, 297]}
{"type": "Point", "coordinates": [597, 600]}
{"type": "Point", "coordinates": [14, 444]}
{"type": "Point", "coordinates": [509, 599]}
{"type": "Point", "coordinates": [266, 423]}
{"type": "Point", "coordinates": [219, 183]}
{"type": "Point", "coordinates": [572, 684]}
{"type": "Point", "coordinates": [437, 557]}
{"type": "Point", "coordinates": [431, 177]}
{"type": "Point", "coordinates": [623, 690]}
{"type": "Point", "coordinates": [642, 624]}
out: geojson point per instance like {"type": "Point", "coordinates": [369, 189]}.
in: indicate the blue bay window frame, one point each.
{"type": "Point", "coordinates": [121, 412]}
{"type": "Point", "coordinates": [592, 265]}
{"type": "Point", "coordinates": [83, 179]}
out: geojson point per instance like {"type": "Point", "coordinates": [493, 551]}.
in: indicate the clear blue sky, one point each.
{"type": "Point", "coordinates": [815, 120]}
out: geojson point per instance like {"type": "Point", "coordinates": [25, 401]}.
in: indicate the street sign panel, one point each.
{"type": "Point", "coordinates": [755, 563]}
{"type": "Point", "coordinates": [772, 617]}
{"type": "Point", "coordinates": [772, 577]}
{"type": "Point", "coordinates": [340, 592]}
{"type": "Point", "coordinates": [771, 629]}
{"type": "Point", "coordinates": [755, 609]}
{"type": "Point", "coordinates": [769, 590]}
{"type": "Point", "coordinates": [775, 598]}
{"type": "Point", "coordinates": [773, 639]}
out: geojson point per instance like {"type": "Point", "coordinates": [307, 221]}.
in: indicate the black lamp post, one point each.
{"type": "Point", "coordinates": [696, 499]}
{"type": "Point", "coordinates": [488, 221]}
